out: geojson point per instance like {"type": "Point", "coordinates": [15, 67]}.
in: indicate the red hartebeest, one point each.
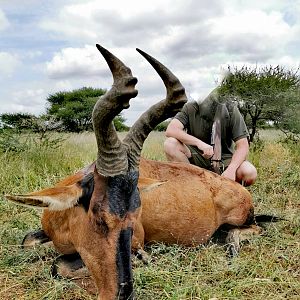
{"type": "Point", "coordinates": [94, 211]}
{"type": "Point", "coordinates": [106, 197]}
{"type": "Point", "coordinates": [180, 204]}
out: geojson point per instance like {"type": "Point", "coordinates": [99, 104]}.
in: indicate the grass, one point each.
{"type": "Point", "coordinates": [267, 268]}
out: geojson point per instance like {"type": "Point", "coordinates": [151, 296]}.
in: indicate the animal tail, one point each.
{"type": "Point", "coordinates": [267, 219]}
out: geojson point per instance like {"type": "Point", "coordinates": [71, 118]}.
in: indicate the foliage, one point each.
{"type": "Point", "coordinates": [18, 121]}
{"type": "Point", "coordinates": [11, 142]}
{"type": "Point", "coordinates": [23, 122]}
{"type": "Point", "coordinates": [265, 94]}
{"type": "Point", "coordinates": [119, 123]}
{"type": "Point", "coordinates": [61, 98]}
{"type": "Point", "coordinates": [14, 141]}
{"type": "Point", "coordinates": [46, 123]}
{"type": "Point", "coordinates": [75, 108]}
{"type": "Point", "coordinates": [16, 136]}
{"type": "Point", "coordinates": [289, 121]}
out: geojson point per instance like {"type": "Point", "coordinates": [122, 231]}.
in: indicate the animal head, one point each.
{"type": "Point", "coordinates": [110, 184]}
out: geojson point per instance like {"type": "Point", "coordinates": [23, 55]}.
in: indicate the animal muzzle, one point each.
{"type": "Point", "coordinates": [125, 280]}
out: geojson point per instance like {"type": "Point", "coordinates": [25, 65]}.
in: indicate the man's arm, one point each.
{"type": "Point", "coordinates": [176, 130]}
{"type": "Point", "coordinates": [239, 156]}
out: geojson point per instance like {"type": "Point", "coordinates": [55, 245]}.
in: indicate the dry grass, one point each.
{"type": "Point", "coordinates": [268, 267]}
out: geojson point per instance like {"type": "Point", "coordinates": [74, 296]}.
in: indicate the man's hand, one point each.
{"type": "Point", "coordinates": [208, 150]}
{"type": "Point", "coordinates": [229, 173]}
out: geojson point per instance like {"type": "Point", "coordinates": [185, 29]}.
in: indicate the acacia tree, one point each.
{"type": "Point", "coordinates": [264, 94]}
{"type": "Point", "coordinates": [74, 109]}
{"type": "Point", "coordinates": [289, 121]}
{"type": "Point", "coordinates": [17, 121]}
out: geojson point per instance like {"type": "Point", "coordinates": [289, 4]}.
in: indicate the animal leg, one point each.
{"type": "Point", "coordinates": [237, 235]}
{"type": "Point", "coordinates": [233, 241]}
{"type": "Point", "coordinates": [138, 242]}
{"type": "Point", "coordinates": [34, 238]}
{"type": "Point", "coordinates": [69, 266]}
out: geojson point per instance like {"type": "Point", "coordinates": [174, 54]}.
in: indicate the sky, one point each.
{"type": "Point", "coordinates": [49, 46]}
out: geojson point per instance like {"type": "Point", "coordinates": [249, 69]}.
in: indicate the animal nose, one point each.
{"type": "Point", "coordinates": [250, 217]}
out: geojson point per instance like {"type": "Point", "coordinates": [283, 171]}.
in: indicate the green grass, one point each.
{"type": "Point", "coordinates": [267, 268]}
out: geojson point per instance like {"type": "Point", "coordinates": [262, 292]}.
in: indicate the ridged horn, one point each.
{"type": "Point", "coordinates": [118, 69]}
{"type": "Point", "coordinates": [157, 113]}
{"type": "Point", "coordinates": [171, 82]}
{"type": "Point", "coordinates": [112, 155]}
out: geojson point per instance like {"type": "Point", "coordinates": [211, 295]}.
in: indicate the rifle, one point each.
{"type": "Point", "coordinates": [216, 160]}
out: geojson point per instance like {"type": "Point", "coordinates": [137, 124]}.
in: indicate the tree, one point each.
{"type": "Point", "coordinates": [264, 94]}
{"type": "Point", "coordinates": [289, 121]}
{"type": "Point", "coordinates": [75, 108]}
{"type": "Point", "coordinates": [119, 123]}
{"type": "Point", "coordinates": [18, 121]}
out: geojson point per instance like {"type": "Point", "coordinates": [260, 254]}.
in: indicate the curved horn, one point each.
{"type": "Point", "coordinates": [157, 113]}
{"type": "Point", "coordinates": [117, 67]}
{"type": "Point", "coordinates": [112, 155]}
{"type": "Point", "coordinates": [171, 82]}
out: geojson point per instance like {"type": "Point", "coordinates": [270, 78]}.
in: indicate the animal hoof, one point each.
{"type": "Point", "coordinates": [34, 238]}
{"type": "Point", "coordinates": [69, 266]}
{"type": "Point", "coordinates": [233, 251]}
{"type": "Point", "coordinates": [143, 256]}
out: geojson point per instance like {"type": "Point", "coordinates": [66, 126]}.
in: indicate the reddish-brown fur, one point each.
{"type": "Point", "coordinates": [186, 208]}
{"type": "Point", "coordinates": [191, 205]}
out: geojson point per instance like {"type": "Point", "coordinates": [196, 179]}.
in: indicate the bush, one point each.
{"type": "Point", "coordinates": [11, 141]}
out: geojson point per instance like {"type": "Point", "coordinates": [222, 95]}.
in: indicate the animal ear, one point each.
{"type": "Point", "coordinates": [63, 195]}
{"type": "Point", "coordinates": [72, 179]}
{"type": "Point", "coordinates": [146, 184]}
{"type": "Point", "coordinates": [56, 198]}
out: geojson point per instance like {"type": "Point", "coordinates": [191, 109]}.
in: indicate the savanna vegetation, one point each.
{"type": "Point", "coordinates": [266, 95]}
{"type": "Point", "coordinates": [267, 268]}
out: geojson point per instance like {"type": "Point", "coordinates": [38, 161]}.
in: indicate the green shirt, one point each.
{"type": "Point", "coordinates": [197, 119]}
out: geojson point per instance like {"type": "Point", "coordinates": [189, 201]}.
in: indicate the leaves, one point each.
{"type": "Point", "coordinates": [268, 93]}
{"type": "Point", "coordinates": [75, 108]}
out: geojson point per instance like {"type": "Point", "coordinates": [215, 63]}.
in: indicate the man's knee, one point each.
{"type": "Point", "coordinates": [176, 151]}
{"type": "Point", "coordinates": [171, 145]}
